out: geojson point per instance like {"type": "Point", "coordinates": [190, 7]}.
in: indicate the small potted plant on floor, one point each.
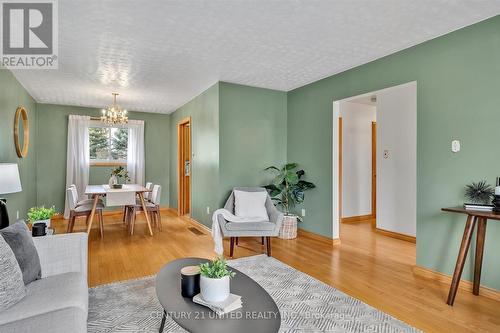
{"type": "Point", "coordinates": [288, 190]}
{"type": "Point", "coordinates": [116, 175]}
{"type": "Point", "coordinates": [41, 215]}
{"type": "Point", "coordinates": [214, 280]}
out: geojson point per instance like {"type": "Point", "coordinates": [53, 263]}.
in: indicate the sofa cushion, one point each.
{"type": "Point", "coordinates": [250, 204]}
{"type": "Point", "coordinates": [250, 226]}
{"type": "Point", "coordinates": [12, 288]}
{"type": "Point", "coordinates": [20, 241]}
{"type": "Point", "coordinates": [46, 296]}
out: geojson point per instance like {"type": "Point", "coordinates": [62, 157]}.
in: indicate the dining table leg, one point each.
{"type": "Point", "coordinates": [144, 209]}
{"type": "Point", "coordinates": [462, 256]}
{"type": "Point", "coordinates": [92, 213]}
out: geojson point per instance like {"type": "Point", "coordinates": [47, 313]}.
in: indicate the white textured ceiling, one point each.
{"type": "Point", "coordinates": [160, 54]}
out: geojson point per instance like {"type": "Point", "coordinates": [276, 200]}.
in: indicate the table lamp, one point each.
{"type": "Point", "coordinates": [9, 183]}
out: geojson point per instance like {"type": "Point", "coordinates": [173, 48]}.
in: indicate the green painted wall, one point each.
{"type": "Point", "coordinates": [458, 82]}
{"type": "Point", "coordinates": [52, 142]}
{"type": "Point", "coordinates": [12, 95]}
{"type": "Point", "coordinates": [253, 128]}
{"type": "Point", "coordinates": [204, 113]}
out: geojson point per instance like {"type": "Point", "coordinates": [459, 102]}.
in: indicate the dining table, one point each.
{"type": "Point", "coordinates": [98, 191]}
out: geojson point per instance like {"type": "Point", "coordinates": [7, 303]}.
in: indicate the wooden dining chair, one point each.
{"type": "Point", "coordinates": [152, 206]}
{"type": "Point", "coordinates": [81, 210]}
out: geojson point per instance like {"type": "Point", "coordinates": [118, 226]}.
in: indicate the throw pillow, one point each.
{"type": "Point", "coordinates": [12, 288]}
{"type": "Point", "coordinates": [20, 241]}
{"type": "Point", "coordinates": [251, 205]}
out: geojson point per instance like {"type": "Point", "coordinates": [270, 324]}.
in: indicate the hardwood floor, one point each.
{"type": "Point", "coordinates": [369, 266]}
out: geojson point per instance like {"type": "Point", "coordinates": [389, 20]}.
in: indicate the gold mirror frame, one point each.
{"type": "Point", "coordinates": [21, 113]}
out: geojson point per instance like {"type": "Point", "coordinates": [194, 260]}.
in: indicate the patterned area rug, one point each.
{"type": "Point", "coordinates": [306, 304]}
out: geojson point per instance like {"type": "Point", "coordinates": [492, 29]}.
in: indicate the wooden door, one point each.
{"type": "Point", "coordinates": [184, 166]}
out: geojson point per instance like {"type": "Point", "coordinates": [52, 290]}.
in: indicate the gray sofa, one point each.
{"type": "Point", "coordinates": [58, 302]}
{"type": "Point", "coordinates": [266, 230]}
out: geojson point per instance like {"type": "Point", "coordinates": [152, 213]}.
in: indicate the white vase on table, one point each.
{"type": "Point", "coordinates": [214, 290]}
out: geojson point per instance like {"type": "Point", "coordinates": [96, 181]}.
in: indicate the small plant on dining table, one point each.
{"type": "Point", "coordinates": [120, 173]}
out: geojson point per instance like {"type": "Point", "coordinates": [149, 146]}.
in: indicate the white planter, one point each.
{"type": "Point", "coordinates": [288, 228]}
{"type": "Point", "coordinates": [47, 222]}
{"type": "Point", "coordinates": [214, 290]}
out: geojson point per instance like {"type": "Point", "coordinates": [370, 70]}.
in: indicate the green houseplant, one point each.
{"type": "Point", "coordinates": [287, 190]}
{"type": "Point", "coordinates": [214, 280]}
{"type": "Point", "coordinates": [41, 214]}
{"type": "Point", "coordinates": [117, 174]}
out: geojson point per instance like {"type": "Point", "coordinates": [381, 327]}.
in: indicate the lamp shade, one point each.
{"type": "Point", "coordinates": [9, 178]}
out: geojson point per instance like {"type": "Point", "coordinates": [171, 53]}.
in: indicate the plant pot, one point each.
{"type": "Point", "coordinates": [214, 290]}
{"type": "Point", "coordinates": [288, 228]}
{"type": "Point", "coordinates": [47, 222]}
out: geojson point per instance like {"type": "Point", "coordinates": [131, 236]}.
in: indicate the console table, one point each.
{"type": "Point", "coordinates": [473, 217]}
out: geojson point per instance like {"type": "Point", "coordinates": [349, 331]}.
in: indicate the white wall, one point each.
{"type": "Point", "coordinates": [397, 174]}
{"type": "Point", "coordinates": [356, 158]}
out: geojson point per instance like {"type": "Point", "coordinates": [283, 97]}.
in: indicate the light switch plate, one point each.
{"type": "Point", "coordinates": [455, 146]}
{"type": "Point", "coordinates": [303, 212]}
{"type": "Point", "coordinates": [208, 210]}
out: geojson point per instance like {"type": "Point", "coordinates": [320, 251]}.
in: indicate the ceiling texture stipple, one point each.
{"type": "Point", "coordinates": [160, 54]}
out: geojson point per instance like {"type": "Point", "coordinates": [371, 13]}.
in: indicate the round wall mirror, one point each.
{"type": "Point", "coordinates": [21, 132]}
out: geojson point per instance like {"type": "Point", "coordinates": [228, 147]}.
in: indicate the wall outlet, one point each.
{"type": "Point", "coordinates": [455, 146]}
{"type": "Point", "coordinates": [17, 215]}
{"type": "Point", "coordinates": [208, 210]}
{"type": "Point", "coordinates": [303, 212]}
{"type": "Point", "coordinates": [386, 154]}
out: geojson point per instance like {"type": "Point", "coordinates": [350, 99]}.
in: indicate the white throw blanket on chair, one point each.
{"type": "Point", "coordinates": [216, 228]}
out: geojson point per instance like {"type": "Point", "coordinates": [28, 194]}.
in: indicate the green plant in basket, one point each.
{"type": "Point", "coordinates": [215, 269]}
{"type": "Point", "coordinates": [40, 213]}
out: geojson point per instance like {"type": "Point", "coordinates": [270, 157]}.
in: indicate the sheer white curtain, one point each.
{"type": "Point", "coordinates": [78, 156]}
{"type": "Point", "coordinates": [135, 152]}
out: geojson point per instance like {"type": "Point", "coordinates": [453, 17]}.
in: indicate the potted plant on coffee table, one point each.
{"type": "Point", "coordinates": [287, 190]}
{"type": "Point", "coordinates": [214, 280]}
{"type": "Point", "coordinates": [41, 215]}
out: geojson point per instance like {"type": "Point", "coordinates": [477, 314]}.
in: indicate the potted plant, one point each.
{"type": "Point", "coordinates": [41, 215]}
{"type": "Point", "coordinates": [214, 280]}
{"type": "Point", "coordinates": [287, 190]}
{"type": "Point", "coordinates": [117, 174]}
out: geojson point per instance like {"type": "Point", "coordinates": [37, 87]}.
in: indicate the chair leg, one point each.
{"type": "Point", "coordinates": [124, 213]}
{"type": "Point", "coordinates": [101, 223]}
{"type": "Point", "coordinates": [268, 243]}
{"type": "Point", "coordinates": [237, 239]}
{"type": "Point", "coordinates": [231, 247]}
{"type": "Point", "coordinates": [87, 220]}
{"type": "Point", "coordinates": [70, 220]}
{"type": "Point", "coordinates": [262, 240]}
{"type": "Point", "coordinates": [132, 222]}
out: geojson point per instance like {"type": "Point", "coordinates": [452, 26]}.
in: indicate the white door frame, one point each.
{"type": "Point", "coordinates": [335, 157]}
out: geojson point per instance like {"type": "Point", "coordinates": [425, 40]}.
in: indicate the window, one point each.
{"type": "Point", "coordinates": [108, 145]}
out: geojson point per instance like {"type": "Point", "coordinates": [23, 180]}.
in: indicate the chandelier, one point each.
{"type": "Point", "coordinates": [114, 114]}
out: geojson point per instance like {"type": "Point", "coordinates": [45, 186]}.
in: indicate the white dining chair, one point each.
{"type": "Point", "coordinates": [147, 196]}
{"type": "Point", "coordinates": [152, 207]}
{"type": "Point", "coordinates": [81, 210]}
{"type": "Point", "coordinates": [84, 201]}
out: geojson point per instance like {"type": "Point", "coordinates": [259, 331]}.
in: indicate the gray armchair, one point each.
{"type": "Point", "coordinates": [265, 230]}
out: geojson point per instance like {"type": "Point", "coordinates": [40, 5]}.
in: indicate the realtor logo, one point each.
{"type": "Point", "coordinates": [29, 34]}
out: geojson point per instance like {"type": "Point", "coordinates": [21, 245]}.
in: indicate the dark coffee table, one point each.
{"type": "Point", "coordinates": [258, 314]}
